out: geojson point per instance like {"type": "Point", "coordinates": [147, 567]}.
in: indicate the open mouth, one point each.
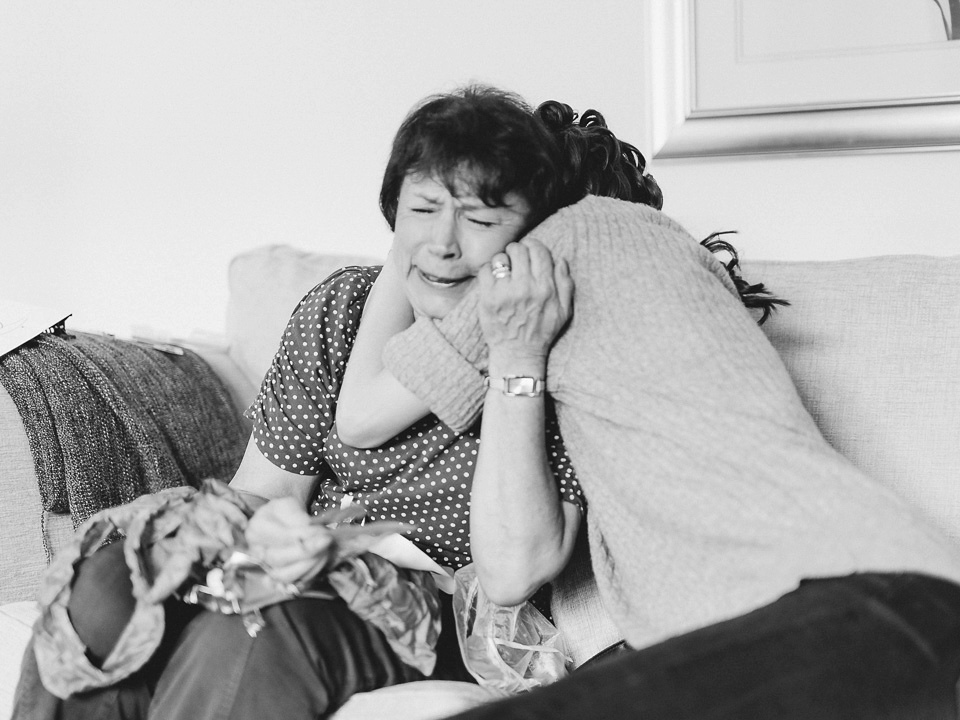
{"type": "Point", "coordinates": [442, 282]}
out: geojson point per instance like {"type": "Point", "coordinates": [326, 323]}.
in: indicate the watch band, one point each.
{"type": "Point", "coordinates": [516, 385]}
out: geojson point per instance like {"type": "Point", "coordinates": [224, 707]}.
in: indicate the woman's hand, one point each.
{"type": "Point", "coordinates": [282, 537]}
{"type": "Point", "coordinates": [523, 311]}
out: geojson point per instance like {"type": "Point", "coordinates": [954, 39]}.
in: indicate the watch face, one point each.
{"type": "Point", "coordinates": [516, 385]}
{"type": "Point", "coordinates": [522, 386]}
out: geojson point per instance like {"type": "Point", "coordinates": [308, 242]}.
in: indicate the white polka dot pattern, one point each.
{"type": "Point", "coordinates": [422, 476]}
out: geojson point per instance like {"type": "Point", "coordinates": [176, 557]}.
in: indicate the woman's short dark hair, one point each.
{"type": "Point", "coordinates": [595, 161]}
{"type": "Point", "coordinates": [488, 135]}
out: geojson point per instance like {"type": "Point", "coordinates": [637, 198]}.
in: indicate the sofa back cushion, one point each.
{"type": "Point", "coordinates": [873, 345]}
{"type": "Point", "coordinates": [265, 286]}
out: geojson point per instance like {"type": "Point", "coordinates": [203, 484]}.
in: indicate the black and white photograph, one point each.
{"type": "Point", "coordinates": [514, 360]}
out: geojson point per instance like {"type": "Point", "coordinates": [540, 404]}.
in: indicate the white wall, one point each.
{"type": "Point", "coordinates": [142, 144]}
{"type": "Point", "coordinates": [820, 207]}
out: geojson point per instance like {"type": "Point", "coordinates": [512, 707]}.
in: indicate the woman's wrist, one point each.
{"type": "Point", "coordinates": [517, 364]}
{"type": "Point", "coordinates": [517, 373]}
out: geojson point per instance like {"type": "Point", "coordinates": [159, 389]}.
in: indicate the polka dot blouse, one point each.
{"type": "Point", "coordinates": [421, 476]}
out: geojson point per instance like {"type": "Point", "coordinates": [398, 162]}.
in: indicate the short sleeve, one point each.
{"type": "Point", "coordinates": [560, 465]}
{"type": "Point", "coordinates": [295, 408]}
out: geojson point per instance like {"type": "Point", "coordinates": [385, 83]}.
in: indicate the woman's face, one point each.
{"type": "Point", "coordinates": [442, 239]}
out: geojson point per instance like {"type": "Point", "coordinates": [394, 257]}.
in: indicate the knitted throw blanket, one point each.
{"type": "Point", "coordinates": [710, 490]}
{"type": "Point", "coordinates": [109, 420]}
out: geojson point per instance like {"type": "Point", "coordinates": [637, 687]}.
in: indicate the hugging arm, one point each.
{"type": "Point", "coordinates": [373, 405]}
{"type": "Point", "coordinates": [522, 529]}
{"type": "Point", "coordinates": [456, 342]}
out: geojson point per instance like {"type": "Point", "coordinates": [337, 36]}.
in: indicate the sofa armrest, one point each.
{"type": "Point", "coordinates": [23, 523]}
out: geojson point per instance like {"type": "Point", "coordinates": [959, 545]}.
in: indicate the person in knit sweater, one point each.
{"type": "Point", "coordinates": [754, 571]}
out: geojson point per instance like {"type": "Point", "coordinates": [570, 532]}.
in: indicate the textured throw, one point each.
{"type": "Point", "coordinates": [109, 420]}
{"type": "Point", "coordinates": [710, 490]}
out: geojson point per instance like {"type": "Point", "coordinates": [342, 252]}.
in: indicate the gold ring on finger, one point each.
{"type": "Point", "coordinates": [500, 269]}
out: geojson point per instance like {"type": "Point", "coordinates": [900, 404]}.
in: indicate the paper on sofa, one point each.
{"type": "Point", "coordinates": [21, 322]}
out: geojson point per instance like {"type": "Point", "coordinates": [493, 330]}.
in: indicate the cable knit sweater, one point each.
{"type": "Point", "coordinates": [711, 491]}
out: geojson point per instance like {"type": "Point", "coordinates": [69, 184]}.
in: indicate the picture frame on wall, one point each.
{"type": "Point", "coordinates": [742, 77]}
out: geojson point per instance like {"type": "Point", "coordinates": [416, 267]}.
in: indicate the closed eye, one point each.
{"type": "Point", "coordinates": [482, 223]}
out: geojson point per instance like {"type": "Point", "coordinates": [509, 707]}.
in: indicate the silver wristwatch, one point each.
{"type": "Point", "coordinates": [516, 385]}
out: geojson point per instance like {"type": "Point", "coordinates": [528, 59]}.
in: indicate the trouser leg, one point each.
{"type": "Point", "coordinates": [312, 655]}
{"type": "Point", "coordinates": [100, 606]}
{"type": "Point", "coordinates": [308, 659]}
{"type": "Point", "coordinates": [868, 647]}
{"type": "Point", "coordinates": [125, 700]}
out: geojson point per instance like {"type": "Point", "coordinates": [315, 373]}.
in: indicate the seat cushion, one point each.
{"type": "Point", "coordinates": [25, 528]}
{"type": "Point", "coordinates": [16, 619]}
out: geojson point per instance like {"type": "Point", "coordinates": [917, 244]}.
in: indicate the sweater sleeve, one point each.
{"type": "Point", "coordinates": [443, 362]}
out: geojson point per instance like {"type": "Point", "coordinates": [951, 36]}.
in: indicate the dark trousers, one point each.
{"type": "Point", "coordinates": [309, 658]}
{"type": "Point", "coordinates": [870, 647]}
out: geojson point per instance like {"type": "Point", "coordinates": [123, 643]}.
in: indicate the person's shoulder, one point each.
{"type": "Point", "coordinates": [342, 282]}
{"type": "Point", "coordinates": [595, 209]}
{"type": "Point", "coordinates": [340, 293]}
{"type": "Point", "coordinates": [632, 211]}
{"type": "Point", "coordinates": [349, 277]}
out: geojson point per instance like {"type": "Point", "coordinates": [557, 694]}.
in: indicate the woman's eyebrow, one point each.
{"type": "Point", "coordinates": [426, 196]}
{"type": "Point", "coordinates": [472, 203]}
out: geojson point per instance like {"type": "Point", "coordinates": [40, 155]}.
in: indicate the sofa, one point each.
{"type": "Point", "coordinates": [873, 345]}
